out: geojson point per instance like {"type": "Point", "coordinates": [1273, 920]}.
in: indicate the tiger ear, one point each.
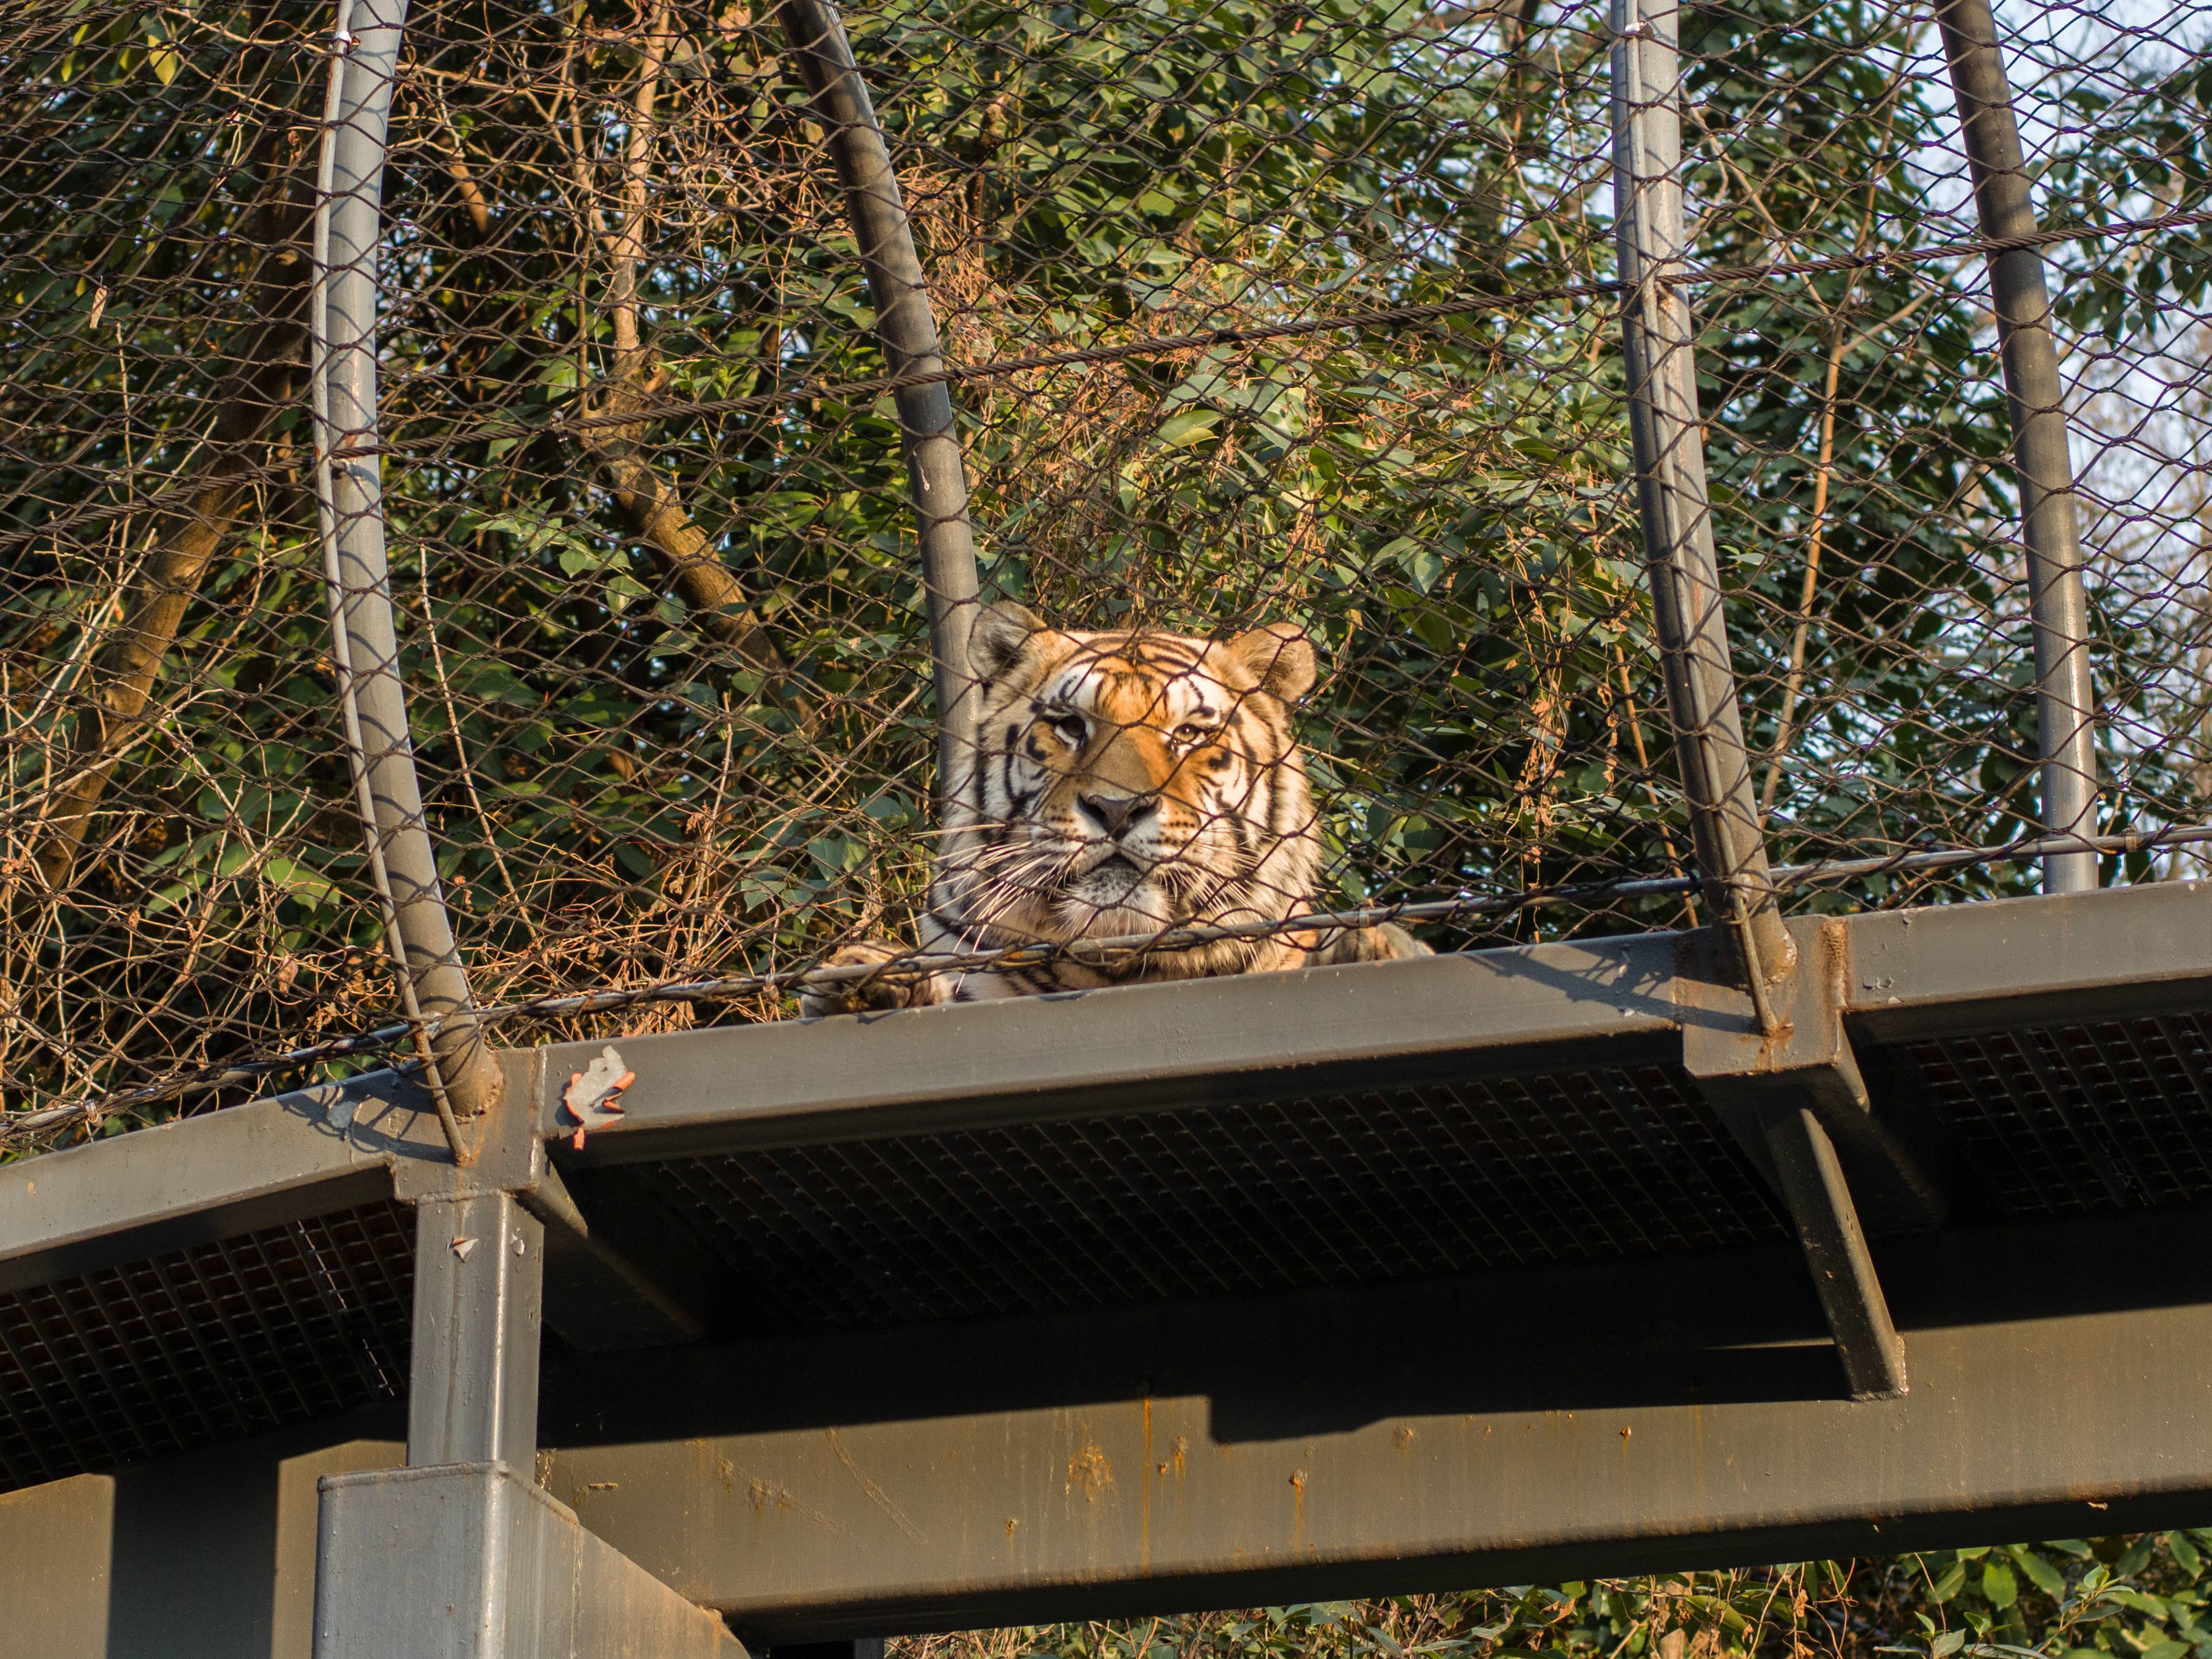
{"type": "Point", "coordinates": [1003, 631]}
{"type": "Point", "coordinates": [1282, 656]}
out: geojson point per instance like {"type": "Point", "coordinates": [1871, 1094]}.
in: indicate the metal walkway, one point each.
{"type": "Point", "coordinates": [1480, 1267]}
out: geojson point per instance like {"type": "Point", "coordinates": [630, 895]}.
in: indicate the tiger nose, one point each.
{"type": "Point", "coordinates": [1114, 812]}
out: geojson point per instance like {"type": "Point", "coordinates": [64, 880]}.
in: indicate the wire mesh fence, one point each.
{"type": "Point", "coordinates": [1255, 315]}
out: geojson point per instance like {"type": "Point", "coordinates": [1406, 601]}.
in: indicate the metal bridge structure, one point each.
{"type": "Point", "coordinates": [1098, 1305]}
{"type": "Point", "coordinates": [1844, 1234]}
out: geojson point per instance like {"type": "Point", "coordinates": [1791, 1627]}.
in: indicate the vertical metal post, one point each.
{"type": "Point", "coordinates": [907, 329]}
{"type": "Point", "coordinates": [2065, 729]}
{"type": "Point", "coordinates": [349, 227]}
{"type": "Point", "coordinates": [1670, 471]}
{"type": "Point", "coordinates": [479, 1280]}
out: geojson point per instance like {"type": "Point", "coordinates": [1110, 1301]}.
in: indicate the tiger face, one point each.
{"type": "Point", "coordinates": [1127, 782]}
{"type": "Point", "coordinates": [1123, 783]}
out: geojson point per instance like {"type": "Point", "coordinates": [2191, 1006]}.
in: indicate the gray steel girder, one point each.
{"type": "Point", "coordinates": [1647, 1416]}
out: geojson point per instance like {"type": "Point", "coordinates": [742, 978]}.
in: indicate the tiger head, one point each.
{"type": "Point", "coordinates": [1126, 783]}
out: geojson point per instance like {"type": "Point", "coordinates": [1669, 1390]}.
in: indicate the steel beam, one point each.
{"type": "Point", "coordinates": [1149, 1460]}
{"type": "Point", "coordinates": [1746, 1075]}
{"type": "Point", "coordinates": [364, 644]}
{"type": "Point", "coordinates": [2036, 394]}
{"type": "Point", "coordinates": [472, 1393]}
{"type": "Point", "coordinates": [899, 291]}
{"type": "Point", "coordinates": [1812, 1182]}
{"type": "Point", "coordinates": [303, 1154]}
{"type": "Point", "coordinates": [1893, 976]}
{"type": "Point", "coordinates": [616, 1275]}
{"type": "Point", "coordinates": [474, 1562]}
{"type": "Point", "coordinates": [1782, 1094]}
{"type": "Point", "coordinates": [1658, 343]}
{"type": "Point", "coordinates": [2080, 955]}
{"type": "Point", "coordinates": [1029, 1058]}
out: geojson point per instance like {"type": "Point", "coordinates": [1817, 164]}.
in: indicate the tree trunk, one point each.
{"type": "Point", "coordinates": [263, 380]}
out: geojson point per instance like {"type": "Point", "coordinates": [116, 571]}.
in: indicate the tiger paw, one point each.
{"type": "Point", "coordinates": [859, 995]}
{"type": "Point", "coordinates": [1386, 942]}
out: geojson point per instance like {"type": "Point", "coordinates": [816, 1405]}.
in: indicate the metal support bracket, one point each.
{"type": "Point", "coordinates": [470, 1561]}
{"type": "Point", "coordinates": [1812, 1182]}
{"type": "Point", "coordinates": [1796, 1102]}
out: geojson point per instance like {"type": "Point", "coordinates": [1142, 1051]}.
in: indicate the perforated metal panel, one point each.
{"type": "Point", "coordinates": [211, 1343]}
{"type": "Point", "coordinates": [2110, 1114]}
{"type": "Point", "coordinates": [1227, 1199]}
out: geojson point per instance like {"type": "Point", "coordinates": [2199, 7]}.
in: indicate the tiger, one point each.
{"type": "Point", "coordinates": [1123, 782]}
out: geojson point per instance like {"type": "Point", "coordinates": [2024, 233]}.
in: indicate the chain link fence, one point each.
{"type": "Point", "coordinates": [1252, 313]}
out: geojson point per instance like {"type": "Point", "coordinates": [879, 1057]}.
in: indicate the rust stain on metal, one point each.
{"type": "Point", "coordinates": [1012, 1521]}
{"type": "Point", "coordinates": [1404, 1438]}
{"type": "Point", "coordinates": [764, 1492]}
{"type": "Point", "coordinates": [1091, 1471]}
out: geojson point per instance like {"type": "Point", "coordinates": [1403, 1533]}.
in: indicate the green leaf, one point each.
{"type": "Point", "coordinates": [2040, 1573]}
{"type": "Point", "coordinates": [1998, 1585]}
{"type": "Point", "coordinates": [1192, 426]}
{"type": "Point", "coordinates": [2185, 1553]}
{"type": "Point", "coordinates": [2136, 1601]}
{"type": "Point", "coordinates": [1949, 1642]}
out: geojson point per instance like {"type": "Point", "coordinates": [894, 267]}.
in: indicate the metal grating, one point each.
{"type": "Point", "coordinates": [1225, 1200]}
{"type": "Point", "coordinates": [210, 1343]}
{"type": "Point", "coordinates": [2109, 1114]}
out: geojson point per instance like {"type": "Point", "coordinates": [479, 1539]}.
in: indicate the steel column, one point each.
{"type": "Point", "coordinates": [475, 1562]}
{"type": "Point", "coordinates": [479, 1281]}
{"type": "Point", "coordinates": [350, 475]}
{"type": "Point", "coordinates": [900, 294]}
{"type": "Point", "coordinates": [2065, 722]}
{"type": "Point", "coordinates": [1657, 339]}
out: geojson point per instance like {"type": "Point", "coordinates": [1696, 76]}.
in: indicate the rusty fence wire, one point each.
{"type": "Point", "coordinates": [1251, 311]}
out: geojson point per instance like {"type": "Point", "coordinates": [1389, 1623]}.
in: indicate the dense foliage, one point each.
{"type": "Point", "coordinates": [2141, 1596]}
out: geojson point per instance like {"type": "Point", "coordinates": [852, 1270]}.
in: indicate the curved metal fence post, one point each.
{"type": "Point", "coordinates": [900, 294]}
{"type": "Point", "coordinates": [1657, 339]}
{"type": "Point", "coordinates": [2065, 722]}
{"type": "Point", "coordinates": [431, 982]}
